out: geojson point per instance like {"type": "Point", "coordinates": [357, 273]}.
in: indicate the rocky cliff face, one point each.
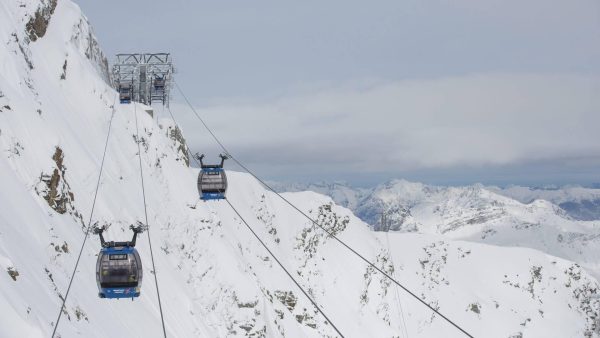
{"type": "Point", "coordinates": [38, 23]}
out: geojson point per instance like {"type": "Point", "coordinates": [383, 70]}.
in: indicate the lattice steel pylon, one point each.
{"type": "Point", "coordinates": [143, 77]}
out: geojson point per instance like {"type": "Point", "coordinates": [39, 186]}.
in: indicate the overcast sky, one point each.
{"type": "Point", "coordinates": [447, 92]}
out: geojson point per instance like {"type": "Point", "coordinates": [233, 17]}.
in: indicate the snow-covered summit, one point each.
{"type": "Point", "coordinates": [579, 202]}
{"type": "Point", "coordinates": [483, 214]}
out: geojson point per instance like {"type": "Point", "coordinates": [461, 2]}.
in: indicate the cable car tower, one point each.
{"type": "Point", "coordinates": [144, 78]}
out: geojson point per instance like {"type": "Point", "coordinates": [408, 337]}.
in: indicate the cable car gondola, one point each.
{"type": "Point", "coordinates": [119, 267]}
{"type": "Point", "coordinates": [125, 93]}
{"type": "Point", "coordinates": [212, 181]}
{"type": "Point", "coordinates": [158, 82]}
{"type": "Point", "coordinates": [157, 91]}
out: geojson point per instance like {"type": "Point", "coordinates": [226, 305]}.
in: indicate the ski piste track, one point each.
{"type": "Point", "coordinates": [239, 163]}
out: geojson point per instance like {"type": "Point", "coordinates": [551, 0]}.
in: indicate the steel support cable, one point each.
{"type": "Point", "coordinates": [87, 231]}
{"type": "Point", "coordinates": [320, 226]}
{"type": "Point", "coordinates": [314, 303]}
{"type": "Point", "coordinates": [201, 120]}
{"type": "Point", "coordinates": [356, 252]}
{"type": "Point", "coordinates": [162, 320]}
{"type": "Point", "coordinates": [265, 246]}
{"type": "Point", "coordinates": [387, 238]}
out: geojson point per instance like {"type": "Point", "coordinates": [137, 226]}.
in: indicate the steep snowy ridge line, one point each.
{"type": "Point", "coordinates": [187, 148]}
{"type": "Point", "coordinates": [87, 230]}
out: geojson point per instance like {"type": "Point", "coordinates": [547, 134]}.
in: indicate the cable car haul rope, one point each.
{"type": "Point", "coordinates": [284, 269]}
{"type": "Point", "coordinates": [119, 268]}
{"type": "Point", "coordinates": [87, 231]}
{"type": "Point", "coordinates": [154, 272]}
{"type": "Point", "coordinates": [329, 233]}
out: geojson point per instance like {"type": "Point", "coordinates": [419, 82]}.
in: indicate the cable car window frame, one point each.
{"type": "Point", "coordinates": [211, 181]}
{"type": "Point", "coordinates": [129, 265]}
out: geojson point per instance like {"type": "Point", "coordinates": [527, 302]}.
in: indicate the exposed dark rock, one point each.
{"type": "Point", "coordinates": [63, 76]}
{"type": "Point", "coordinates": [16, 148]}
{"type": "Point", "coordinates": [306, 319]}
{"type": "Point", "coordinates": [248, 304]}
{"type": "Point", "coordinates": [84, 37]}
{"type": "Point", "coordinates": [80, 314]}
{"type": "Point", "coordinates": [246, 327]}
{"type": "Point", "coordinates": [536, 276]}
{"type": "Point", "coordinates": [13, 273]}
{"type": "Point", "coordinates": [310, 239]}
{"type": "Point", "coordinates": [142, 140]}
{"type": "Point", "coordinates": [24, 52]}
{"type": "Point", "coordinates": [38, 24]}
{"type": "Point", "coordinates": [56, 199]}
{"type": "Point", "coordinates": [176, 135]}
{"type": "Point", "coordinates": [475, 307]}
{"type": "Point", "coordinates": [287, 298]}
{"type": "Point", "coordinates": [267, 218]}
{"type": "Point", "coordinates": [56, 190]}
{"type": "Point", "coordinates": [61, 248]}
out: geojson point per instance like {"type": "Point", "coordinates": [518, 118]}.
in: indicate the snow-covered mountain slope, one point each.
{"type": "Point", "coordinates": [515, 216]}
{"type": "Point", "coordinates": [579, 202]}
{"type": "Point", "coordinates": [215, 279]}
{"type": "Point", "coordinates": [475, 213]}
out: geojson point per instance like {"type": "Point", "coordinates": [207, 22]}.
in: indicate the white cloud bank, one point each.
{"type": "Point", "coordinates": [468, 121]}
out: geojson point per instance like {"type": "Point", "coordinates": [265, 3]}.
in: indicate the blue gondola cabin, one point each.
{"type": "Point", "coordinates": [212, 181]}
{"type": "Point", "coordinates": [119, 273]}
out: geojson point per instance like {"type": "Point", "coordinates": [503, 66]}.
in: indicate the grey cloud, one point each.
{"type": "Point", "coordinates": [471, 121]}
{"type": "Point", "coordinates": [268, 47]}
{"type": "Point", "coordinates": [348, 88]}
